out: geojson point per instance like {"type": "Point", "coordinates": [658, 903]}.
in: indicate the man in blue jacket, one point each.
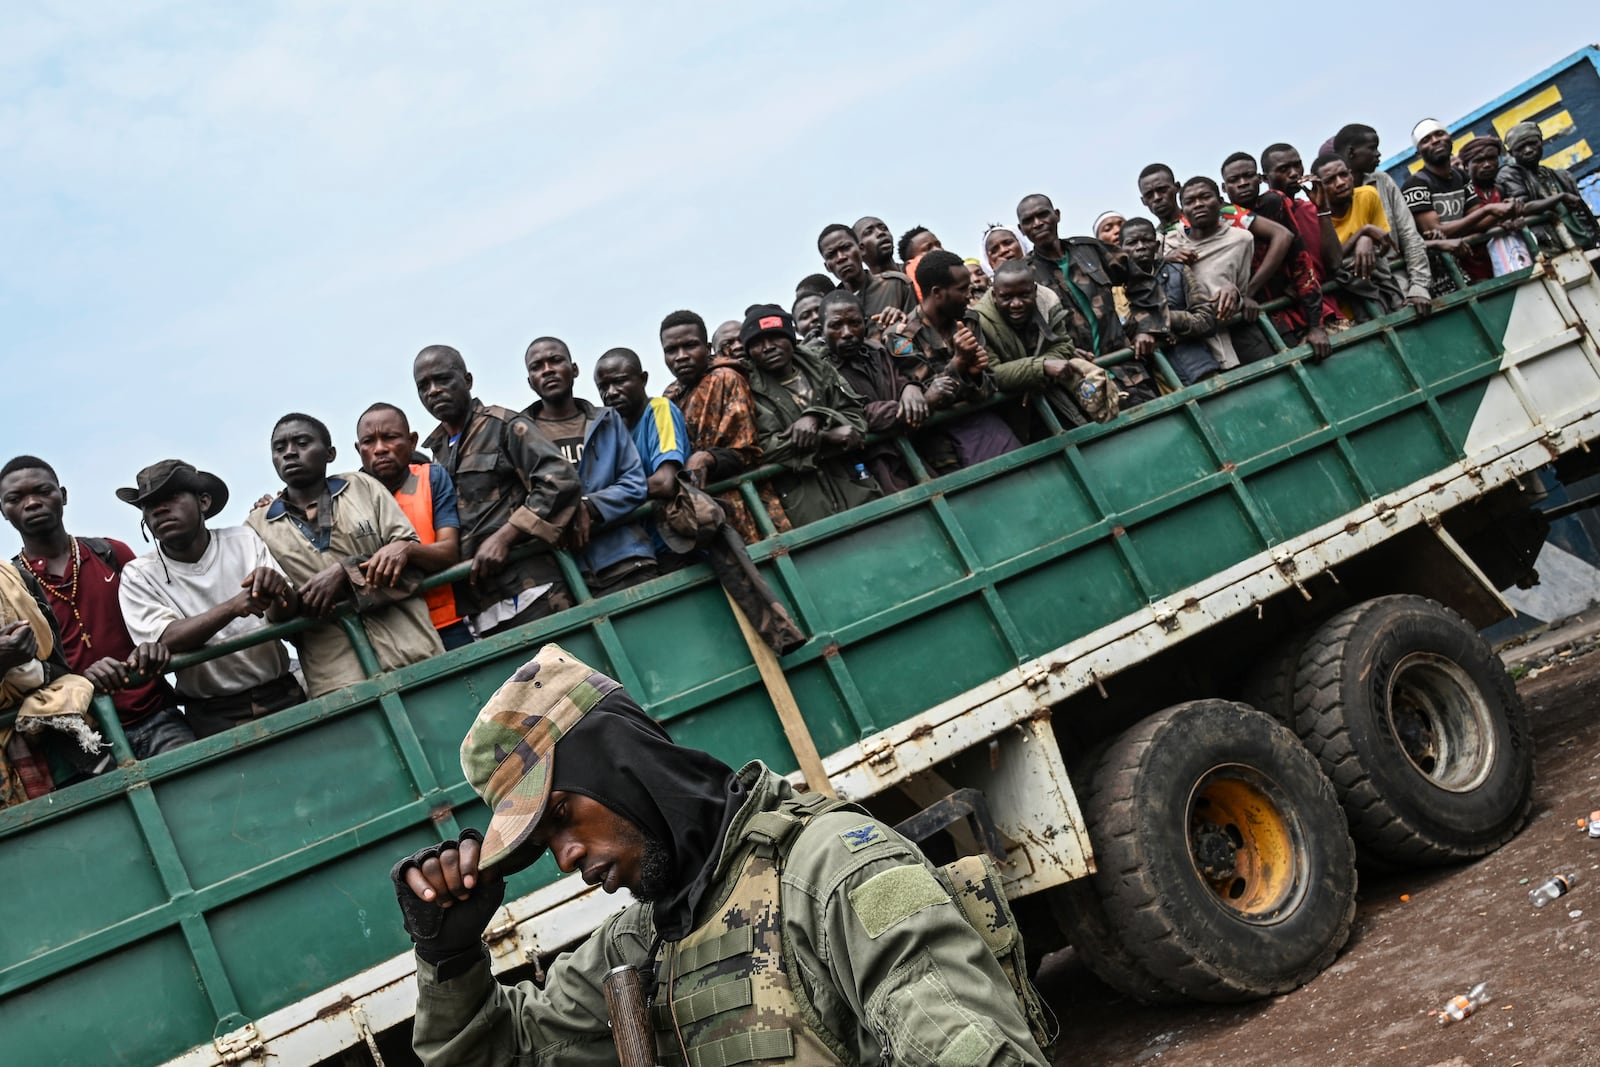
{"type": "Point", "coordinates": [597, 441]}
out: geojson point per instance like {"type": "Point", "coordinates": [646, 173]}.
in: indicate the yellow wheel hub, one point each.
{"type": "Point", "coordinates": [1244, 845]}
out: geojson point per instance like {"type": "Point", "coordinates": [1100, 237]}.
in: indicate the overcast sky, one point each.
{"type": "Point", "coordinates": [214, 214]}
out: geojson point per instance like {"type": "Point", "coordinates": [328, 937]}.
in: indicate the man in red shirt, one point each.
{"type": "Point", "coordinates": [79, 579]}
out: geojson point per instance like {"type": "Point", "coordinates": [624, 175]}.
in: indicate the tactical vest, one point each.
{"type": "Point", "coordinates": [729, 992]}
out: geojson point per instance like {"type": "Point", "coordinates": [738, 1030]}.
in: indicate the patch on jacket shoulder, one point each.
{"type": "Point", "coordinates": [887, 899]}
{"type": "Point", "coordinates": [868, 833]}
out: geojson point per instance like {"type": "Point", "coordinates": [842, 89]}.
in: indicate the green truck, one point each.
{"type": "Point", "coordinates": [1172, 671]}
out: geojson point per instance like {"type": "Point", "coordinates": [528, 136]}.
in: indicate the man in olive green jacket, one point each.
{"type": "Point", "coordinates": [1030, 349]}
{"type": "Point", "coordinates": [809, 420]}
{"type": "Point", "coordinates": [767, 925]}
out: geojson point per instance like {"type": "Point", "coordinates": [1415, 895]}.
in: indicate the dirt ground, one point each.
{"type": "Point", "coordinates": [1406, 958]}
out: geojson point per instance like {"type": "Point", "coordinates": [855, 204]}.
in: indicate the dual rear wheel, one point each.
{"type": "Point", "coordinates": [1226, 837]}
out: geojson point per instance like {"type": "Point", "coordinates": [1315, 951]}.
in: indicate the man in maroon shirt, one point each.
{"type": "Point", "coordinates": [78, 579]}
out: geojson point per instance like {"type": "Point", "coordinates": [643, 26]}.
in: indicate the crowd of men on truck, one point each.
{"type": "Point", "coordinates": [1220, 274]}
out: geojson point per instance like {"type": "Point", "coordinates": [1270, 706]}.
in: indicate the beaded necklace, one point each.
{"type": "Point", "coordinates": [70, 598]}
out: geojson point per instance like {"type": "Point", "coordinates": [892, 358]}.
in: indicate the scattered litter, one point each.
{"type": "Point", "coordinates": [1405, 898]}
{"type": "Point", "coordinates": [1574, 913]}
{"type": "Point", "coordinates": [1458, 1008]}
{"type": "Point", "coordinates": [1557, 886]}
{"type": "Point", "coordinates": [1523, 881]}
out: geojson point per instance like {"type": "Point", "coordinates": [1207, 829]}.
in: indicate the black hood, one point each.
{"type": "Point", "coordinates": [682, 797]}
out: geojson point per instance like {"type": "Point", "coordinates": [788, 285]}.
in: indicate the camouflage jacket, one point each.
{"type": "Point", "coordinates": [1095, 268]}
{"type": "Point", "coordinates": [720, 413]}
{"type": "Point", "coordinates": [888, 963]}
{"type": "Point", "coordinates": [506, 471]}
{"type": "Point", "coordinates": [922, 354]}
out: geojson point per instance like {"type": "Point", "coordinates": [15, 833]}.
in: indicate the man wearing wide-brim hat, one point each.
{"type": "Point", "coordinates": [202, 587]}
{"type": "Point", "coordinates": [767, 925]}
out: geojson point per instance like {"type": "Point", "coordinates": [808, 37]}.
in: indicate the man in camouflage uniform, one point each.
{"type": "Point", "coordinates": [939, 348]}
{"type": "Point", "coordinates": [1084, 272]}
{"type": "Point", "coordinates": [713, 392]}
{"type": "Point", "coordinates": [511, 486]}
{"type": "Point", "coordinates": [769, 926]}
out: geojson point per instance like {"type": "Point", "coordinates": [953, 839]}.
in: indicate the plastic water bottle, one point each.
{"type": "Point", "coordinates": [1557, 886]}
{"type": "Point", "coordinates": [1459, 1008]}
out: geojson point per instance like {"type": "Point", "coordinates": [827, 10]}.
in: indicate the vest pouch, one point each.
{"type": "Point", "coordinates": [975, 885]}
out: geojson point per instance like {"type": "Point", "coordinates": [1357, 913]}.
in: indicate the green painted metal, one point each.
{"type": "Point", "coordinates": [171, 900]}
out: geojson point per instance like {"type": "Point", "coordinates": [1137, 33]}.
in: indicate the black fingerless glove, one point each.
{"type": "Point", "coordinates": [440, 933]}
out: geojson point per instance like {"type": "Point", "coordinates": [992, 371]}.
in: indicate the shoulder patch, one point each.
{"type": "Point", "coordinates": [860, 837]}
{"type": "Point", "coordinates": [887, 899]}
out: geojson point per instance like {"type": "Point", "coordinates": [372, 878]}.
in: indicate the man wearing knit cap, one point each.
{"type": "Point", "coordinates": [809, 420]}
{"type": "Point", "coordinates": [1545, 189]}
{"type": "Point", "coordinates": [767, 925]}
{"type": "Point", "coordinates": [1444, 205]}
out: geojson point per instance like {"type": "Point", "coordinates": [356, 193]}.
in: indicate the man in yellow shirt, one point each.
{"type": "Point", "coordinates": [1365, 241]}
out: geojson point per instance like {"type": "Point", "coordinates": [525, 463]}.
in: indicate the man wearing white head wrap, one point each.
{"type": "Point", "coordinates": [1446, 207]}
{"type": "Point", "coordinates": [1426, 128]}
{"type": "Point", "coordinates": [1108, 227]}
{"type": "Point", "coordinates": [1544, 189]}
{"type": "Point", "coordinates": [1001, 243]}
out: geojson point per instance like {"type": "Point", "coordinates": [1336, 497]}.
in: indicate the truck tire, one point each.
{"type": "Point", "coordinates": [1270, 685]}
{"type": "Point", "coordinates": [1082, 917]}
{"type": "Point", "coordinates": [1226, 870]}
{"type": "Point", "coordinates": [1413, 717]}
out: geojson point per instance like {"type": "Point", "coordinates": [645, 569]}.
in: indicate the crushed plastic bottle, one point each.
{"type": "Point", "coordinates": [1458, 1008]}
{"type": "Point", "coordinates": [1557, 886]}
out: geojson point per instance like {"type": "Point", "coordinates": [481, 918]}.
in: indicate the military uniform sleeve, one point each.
{"type": "Point", "coordinates": [839, 403]}
{"type": "Point", "coordinates": [472, 1020]}
{"type": "Point", "coordinates": [552, 482]}
{"type": "Point", "coordinates": [732, 440]}
{"type": "Point", "coordinates": [1148, 307]}
{"type": "Point", "coordinates": [887, 947]}
{"type": "Point", "coordinates": [1199, 318]}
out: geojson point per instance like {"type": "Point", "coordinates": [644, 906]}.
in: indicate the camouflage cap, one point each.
{"type": "Point", "coordinates": [508, 752]}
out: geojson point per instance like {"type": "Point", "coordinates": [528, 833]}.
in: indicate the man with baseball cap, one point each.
{"type": "Point", "coordinates": [768, 925]}
{"type": "Point", "coordinates": [203, 587]}
{"type": "Point", "coordinates": [809, 419]}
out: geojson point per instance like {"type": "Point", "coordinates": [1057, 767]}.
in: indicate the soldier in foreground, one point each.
{"type": "Point", "coordinates": [768, 926]}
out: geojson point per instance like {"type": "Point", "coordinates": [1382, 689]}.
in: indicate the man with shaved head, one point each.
{"type": "Point", "coordinates": [512, 486]}
{"type": "Point", "coordinates": [877, 245]}
{"type": "Point", "coordinates": [725, 341]}
{"type": "Point", "coordinates": [597, 442]}
{"type": "Point", "coordinates": [844, 257]}
{"type": "Point", "coordinates": [1083, 271]}
{"type": "Point", "coordinates": [659, 432]}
